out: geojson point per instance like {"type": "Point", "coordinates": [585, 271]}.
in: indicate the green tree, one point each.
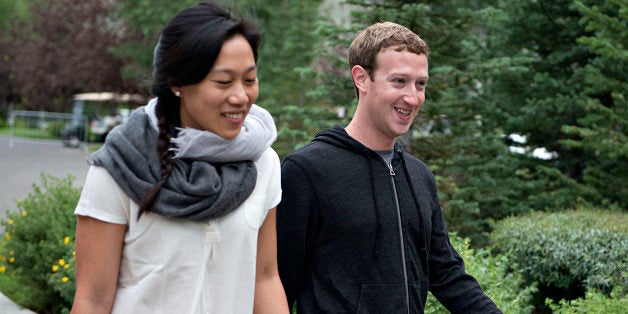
{"type": "Point", "coordinates": [60, 49]}
{"type": "Point", "coordinates": [571, 101]}
{"type": "Point", "coordinates": [287, 51]}
{"type": "Point", "coordinates": [600, 134]}
{"type": "Point", "coordinates": [142, 21]}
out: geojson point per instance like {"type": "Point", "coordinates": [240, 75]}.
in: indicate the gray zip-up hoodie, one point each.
{"type": "Point", "coordinates": [355, 236]}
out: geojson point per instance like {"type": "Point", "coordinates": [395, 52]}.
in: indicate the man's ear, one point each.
{"type": "Point", "coordinates": [360, 77]}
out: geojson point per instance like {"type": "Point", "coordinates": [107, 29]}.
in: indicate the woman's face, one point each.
{"type": "Point", "coordinates": [220, 102]}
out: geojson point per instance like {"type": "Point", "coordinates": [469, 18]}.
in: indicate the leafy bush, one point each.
{"type": "Point", "coordinates": [36, 255]}
{"type": "Point", "coordinates": [593, 302]}
{"type": "Point", "coordinates": [503, 286]}
{"type": "Point", "coordinates": [54, 128]}
{"type": "Point", "coordinates": [569, 252]}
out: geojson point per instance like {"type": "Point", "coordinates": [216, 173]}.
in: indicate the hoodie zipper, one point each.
{"type": "Point", "coordinates": [401, 242]}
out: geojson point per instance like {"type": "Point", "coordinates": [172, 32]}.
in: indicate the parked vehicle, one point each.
{"type": "Point", "coordinates": [104, 112]}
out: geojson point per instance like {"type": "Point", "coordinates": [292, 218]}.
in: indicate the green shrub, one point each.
{"type": "Point", "coordinates": [593, 302]}
{"type": "Point", "coordinates": [502, 285]}
{"type": "Point", "coordinates": [36, 255]}
{"type": "Point", "coordinates": [569, 252]}
{"type": "Point", "coordinates": [54, 128]}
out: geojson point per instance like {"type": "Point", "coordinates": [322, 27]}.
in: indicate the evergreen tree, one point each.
{"type": "Point", "coordinates": [601, 133]}
{"type": "Point", "coordinates": [571, 101]}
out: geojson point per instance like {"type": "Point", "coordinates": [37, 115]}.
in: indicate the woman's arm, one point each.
{"type": "Point", "coordinates": [98, 253]}
{"type": "Point", "coordinates": [269, 294]}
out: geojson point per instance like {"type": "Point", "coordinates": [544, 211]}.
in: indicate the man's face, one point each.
{"type": "Point", "coordinates": [395, 95]}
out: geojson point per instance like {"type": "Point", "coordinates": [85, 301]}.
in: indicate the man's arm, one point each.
{"type": "Point", "coordinates": [293, 222]}
{"type": "Point", "coordinates": [458, 291]}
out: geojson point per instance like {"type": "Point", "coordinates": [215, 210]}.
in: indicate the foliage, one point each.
{"type": "Point", "coordinates": [601, 133]}
{"type": "Point", "coordinates": [63, 276]}
{"type": "Point", "coordinates": [567, 252]}
{"type": "Point", "coordinates": [287, 53]}
{"type": "Point", "coordinates": [494, 273]}
{"type": "Point", "coordinates": [141, 22]}
{"type": "Point", "coordinates": [62, 49]}
{"type": "Point", "coordinates": [10, 9]}
{"type": "Point", "coordinates": [37, 251]}
{"type": "Point", "coordinates": [593, 302]}
{"type": "Point", "coordinates": [571, 101]}
{"type": "Point", "coordinates": [296, 125]}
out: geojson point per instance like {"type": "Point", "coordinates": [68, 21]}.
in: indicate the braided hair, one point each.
{"type": "Point", "coordinates": [185, 53]}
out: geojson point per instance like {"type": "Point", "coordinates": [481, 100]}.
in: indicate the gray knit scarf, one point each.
{"type": "Point", "coordinates": [198, 188]}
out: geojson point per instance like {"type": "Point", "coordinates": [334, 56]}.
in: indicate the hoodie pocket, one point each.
{"type": "Point", "coordinates": [382, 298]}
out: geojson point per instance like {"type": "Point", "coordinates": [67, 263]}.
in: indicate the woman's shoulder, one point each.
{"type": "Point", "coordinates": [268, 157]}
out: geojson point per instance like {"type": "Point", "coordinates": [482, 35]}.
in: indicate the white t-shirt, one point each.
{"type": "Point", "coordinates": [179, 266]}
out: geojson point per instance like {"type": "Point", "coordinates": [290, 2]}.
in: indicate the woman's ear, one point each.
{"type": "Point", "coordinates": [176, 91]}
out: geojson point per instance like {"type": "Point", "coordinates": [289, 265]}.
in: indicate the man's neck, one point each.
{"type": "Point", "coordinates": [368, 137]}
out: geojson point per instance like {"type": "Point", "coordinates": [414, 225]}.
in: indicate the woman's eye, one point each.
{"type": "Point", "coordinates": [223, 82]}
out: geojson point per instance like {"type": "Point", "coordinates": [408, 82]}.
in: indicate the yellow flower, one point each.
{"type": "Point", "coordinates": [2, 269]}
{"type": "Point", "coordinates": [66, 266]}
{"type": "Point", "coordinates": [61, 261]}
{"type": "Point", "coordinates": [24, 213]}
{"type": "Point", "coordinates": [66, 240]}
{"type": "Point", "coordinates": [55, 267]}
{"type": "Point", "coordinates": [7, 236]}
{"type": "Point", "coordinates": [12, 259]}
{"type": "Point", "coordinates": [73, 253]}
{"type": "Point", "coordinates": [10, 221]}
{"type": "Point", "coordinates": [65, 279]}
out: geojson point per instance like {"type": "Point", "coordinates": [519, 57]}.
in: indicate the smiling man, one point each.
{"type": "Point", "coordinates": [360, 228]}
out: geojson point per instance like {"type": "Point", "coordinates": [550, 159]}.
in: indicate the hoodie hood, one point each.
{"type": "Point", "coordinates": [338, 137]}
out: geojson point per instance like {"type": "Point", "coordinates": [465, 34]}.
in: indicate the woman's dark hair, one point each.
{"type": "Point", "coordinates": [184, 55]}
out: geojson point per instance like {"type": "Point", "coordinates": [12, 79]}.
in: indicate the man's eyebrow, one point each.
{"type": "Point", "coordinates": [406, 75]}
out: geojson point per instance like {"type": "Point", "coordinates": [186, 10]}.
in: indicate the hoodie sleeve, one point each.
{"type": "Point", "coordinates": [458, 291]}
{"type": "Point", "coordinates": [294, 225]}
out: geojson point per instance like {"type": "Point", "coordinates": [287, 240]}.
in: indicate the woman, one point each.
{"type": "Point", "coordinates": [177, 214]}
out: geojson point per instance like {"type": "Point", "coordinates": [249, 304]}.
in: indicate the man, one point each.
{"type": "Point", "coordinates": [359, 227]}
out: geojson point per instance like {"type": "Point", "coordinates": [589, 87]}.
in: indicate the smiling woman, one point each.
{"type": "Point", "coordinates": [177, 212]}
{"type": "Point", "coordinates": [220, 102]}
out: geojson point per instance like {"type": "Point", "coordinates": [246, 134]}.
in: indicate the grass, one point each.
{"type": "Point", "coordinates": [40, 134]}
{"type": "Point", "coordinates": [27, 133]}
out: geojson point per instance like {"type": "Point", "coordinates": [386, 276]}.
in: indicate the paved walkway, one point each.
{"type": "Point", "coordinates": [21, 165]}
{"type": "Point", "coordinates": [8, 307]}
